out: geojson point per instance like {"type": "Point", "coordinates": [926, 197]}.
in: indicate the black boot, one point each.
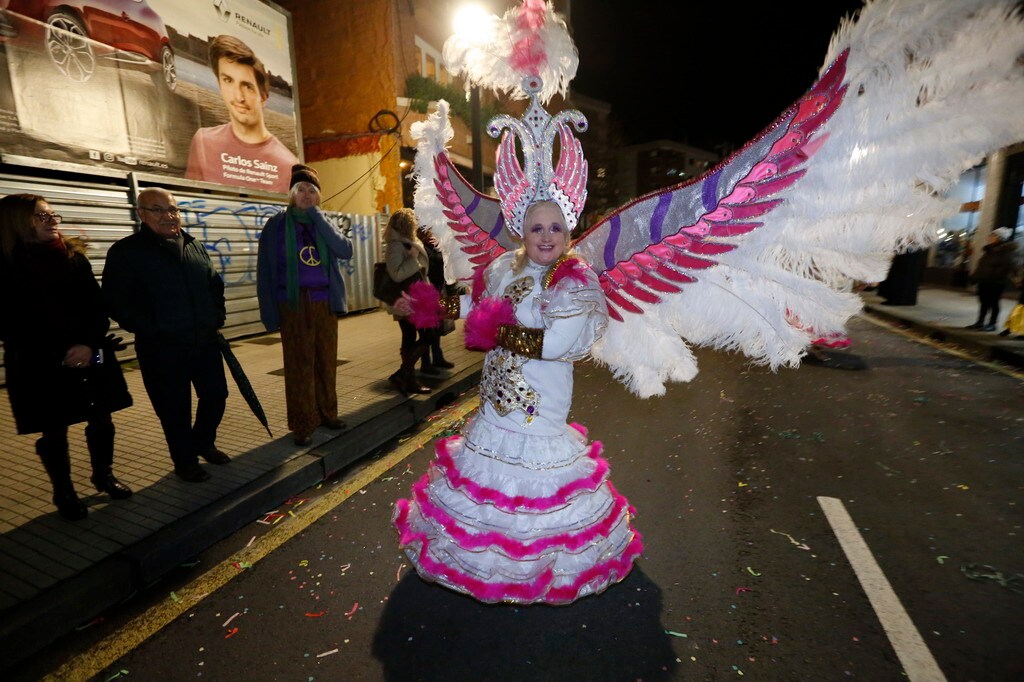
{"type": "Point", "coordinates": [408, 372]}
{"type": "Point", "coordinates": [57, 463]}
{"type": "Point", "coordinates": [439, 360]}
{"type": "Point", "coordinates": [397, 380]}
{"type": "Point", "coordinates": [427, 367]}
{"type": "Point", "coordinates": [100, 439]}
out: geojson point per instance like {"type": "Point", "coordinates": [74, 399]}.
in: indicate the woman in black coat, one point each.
{"type": "Point", "coordinates": [60, 366]}
{"type": "Point", "coordinates": [435, 275]}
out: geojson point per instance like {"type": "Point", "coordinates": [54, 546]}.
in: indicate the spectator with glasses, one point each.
{"type": "Point", "coordinates": [60, 367]}
{"type": "Point", "coordinates": [161, 286]}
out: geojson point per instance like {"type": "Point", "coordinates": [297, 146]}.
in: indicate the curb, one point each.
{"type": "Point", "coordinates": [33, 625]}
{"type": "Point", "coordinates": [978, 343]}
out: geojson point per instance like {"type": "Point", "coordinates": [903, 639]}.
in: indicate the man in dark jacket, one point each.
{"type": "Point", "coordinates": [160, 285]}
{"type": "Point", "coordinates": [992, 274]}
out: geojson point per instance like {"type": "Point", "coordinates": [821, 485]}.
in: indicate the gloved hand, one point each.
{"type": "Point", "coordinates": [116, 343]}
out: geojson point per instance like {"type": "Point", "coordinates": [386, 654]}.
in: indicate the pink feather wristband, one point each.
{"type": "Point", "coordinates": [426, 312]}
{"type": "Point", "coordinates": [484, 321]}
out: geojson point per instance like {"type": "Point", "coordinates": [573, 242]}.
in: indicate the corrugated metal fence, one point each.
{"type": "Point", "coordinates": [100, 209]}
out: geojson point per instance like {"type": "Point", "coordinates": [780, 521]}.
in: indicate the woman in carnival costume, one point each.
{"type": "Point", "coordinates": [519, 508]}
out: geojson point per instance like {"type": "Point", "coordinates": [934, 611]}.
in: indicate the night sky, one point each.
{"type": "Point", "coordinates": [735, 66]}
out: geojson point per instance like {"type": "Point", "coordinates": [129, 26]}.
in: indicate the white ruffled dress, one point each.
{"type": "Point", "coordinates": [519, 508]}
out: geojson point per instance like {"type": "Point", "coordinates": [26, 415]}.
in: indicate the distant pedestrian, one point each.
{"type": "Point", "coordinates": [301, 292]}
{"type": "Point", "coordinates": [160, 285]}
{"type": "Point", "coordinates": [433, 358]}
{"type": "Point", "coordinates": [60, 368]}
{"type": "Point", "coordinates": [407, 262]}
{"type": "Point", "coordinates": [1015, 320]}
{"type": "Point", "coordinates": [991, 275]}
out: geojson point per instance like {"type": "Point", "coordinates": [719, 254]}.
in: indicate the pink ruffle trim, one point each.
{"type": "Point", "coordinates": [484, 495]}
{"type": "Point", "coordinates": [516, 549]}
{"type": "Point", "coordinates": [833, 340]}
{"type": "Point", "coordinates": [539, 589]}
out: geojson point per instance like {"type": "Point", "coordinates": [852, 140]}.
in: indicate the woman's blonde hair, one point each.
{"type": "Point", "coordinates": [401, 226]}
{"type": "Point", "coordinates": [520, 260]}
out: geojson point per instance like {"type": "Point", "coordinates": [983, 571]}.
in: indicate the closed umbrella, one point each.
{"type": "Point", "coordinates": [244, 386]}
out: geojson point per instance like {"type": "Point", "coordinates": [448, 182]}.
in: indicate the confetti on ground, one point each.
{"type": "Point", "coordinates": [304, 562]}
{"type": "Point", "coordinates": [231, 633]}
{"type": "Point", "coordinates": [398, 573]}
{"type": "Point", "coordinates": [315, 615]}
{"type": "Point", "coordinates": [241, 565]}
{"type": "Point", "coordinates": [752, 572]}
{"type": "Point", "coordinates": [225, 623]}
{"type": "Point", "coordinates": [94, 621]}
{"type": "Point", "coordinates": [119, 673]}
{"type": "Point", "coordinates": [743, 589]}
{"type": "Point", "coordinates": [1011, 581]}
{"type": "Point", "coordinates": [175, 598]}
{"type": "Point", "coordinates": [941, 559]}
{"type": "Point", "coordinates": [327, 653]}
{"type": "Point", "coordinates": [251, 540]}
{"type": "Point", "coordinates": [676, 634]}
{"type": "Point", "coordinates": [345, 567]}
{"type": "Point", "coordinates": [352, 611]}
{"type": "Point", "coordinates": [799, 545]}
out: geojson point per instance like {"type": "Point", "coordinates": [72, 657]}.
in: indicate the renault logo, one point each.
{"type": "Point", "coordinates": [223, 11]}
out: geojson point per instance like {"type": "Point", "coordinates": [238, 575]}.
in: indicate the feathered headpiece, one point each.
{"type": "Point", "coordinates": [528, 53]}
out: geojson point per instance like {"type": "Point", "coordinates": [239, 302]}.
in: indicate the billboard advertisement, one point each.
{"type": "Point", "coordinates": [198, 89]}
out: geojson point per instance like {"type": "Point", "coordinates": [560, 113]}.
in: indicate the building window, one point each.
{"type": "Point", "coordinates": [431, 63]}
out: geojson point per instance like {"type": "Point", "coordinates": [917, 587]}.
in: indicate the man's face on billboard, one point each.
{"type": "Point", "coordinates": [240, 93]}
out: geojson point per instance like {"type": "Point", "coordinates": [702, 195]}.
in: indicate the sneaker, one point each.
{"type": "Point", "coordinates": [444, 364]}
{"type": "Point", "coordinates": [193, 473]}
{"type": "Point", "coordinates": [988, 328]}
{"type": "Point", "coordinates": [214, 456]}
{"type": "Point", "coordinates": [1005, 332]}
{"type": "Point", "coordinates": [976, 325]}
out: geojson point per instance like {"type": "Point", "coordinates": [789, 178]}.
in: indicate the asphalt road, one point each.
{"type": "Point", "coordinates": [742, 576]}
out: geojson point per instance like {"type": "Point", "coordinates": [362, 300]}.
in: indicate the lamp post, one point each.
{"type": "Point", "coordinates": [469, 23]}
{"type": "Point", "coordinates": [475, 124]}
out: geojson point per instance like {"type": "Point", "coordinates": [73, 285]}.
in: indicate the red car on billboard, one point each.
{"type": "Point", "coordinates": [80, 35]}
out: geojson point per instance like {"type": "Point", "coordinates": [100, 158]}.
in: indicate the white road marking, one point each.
{"type": "Point", "coordinates": [917, 660]}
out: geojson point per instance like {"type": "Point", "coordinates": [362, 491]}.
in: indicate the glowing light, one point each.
{"type": "Point", "coordinates": [473, 24]}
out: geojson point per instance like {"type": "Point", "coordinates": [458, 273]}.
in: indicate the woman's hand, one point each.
{"type": "Point", "coordinates": [403, 305]}
{"type": "Point", "coordinates": [78, 356]}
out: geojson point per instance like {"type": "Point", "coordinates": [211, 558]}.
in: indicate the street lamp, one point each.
{"type": "Point", "coordinates": [471, 24]}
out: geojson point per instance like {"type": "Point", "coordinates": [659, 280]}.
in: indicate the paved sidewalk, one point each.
{"type": "Point", "coordinates": [943, 313]}
{"type": "Point", "coordinates": [55, 574]}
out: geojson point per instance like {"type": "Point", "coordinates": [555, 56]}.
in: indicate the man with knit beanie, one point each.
{"type": "Point", "coordinates": [301, 292]}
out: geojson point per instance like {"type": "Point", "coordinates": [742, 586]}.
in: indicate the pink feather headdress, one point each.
{"type": "Point", "coordinates": [531, 57]}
